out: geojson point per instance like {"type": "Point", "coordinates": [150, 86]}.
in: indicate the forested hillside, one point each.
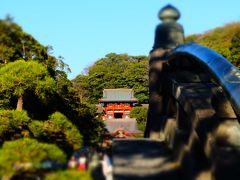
{"type": "Point", "coordinates": [225, 40]}
{"type": "Point", "coordinates": [114, 71]}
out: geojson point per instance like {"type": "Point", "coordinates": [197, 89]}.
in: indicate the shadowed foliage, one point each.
{"type": "Point", "coordinates": [58, 130]}
{"type": "Point", "coordinates": [140, 113]}
{"type": "Point", "coordinates": [19, 76]}
{"type": "Point", "coordinates": [68, 174]}
{"type": "Point", "coordinates": [25, 151]}
{"type": "Point", "coordinates": [13, 124]}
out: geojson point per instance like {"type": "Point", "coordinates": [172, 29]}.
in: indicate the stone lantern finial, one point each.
{"type": "Point", "coordinates": [169, 13]}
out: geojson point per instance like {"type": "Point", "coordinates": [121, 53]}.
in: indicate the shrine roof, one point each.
{"type": "Point", "coordinates": [118, 95]}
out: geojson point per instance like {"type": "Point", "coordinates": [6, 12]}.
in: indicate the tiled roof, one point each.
{"type": "Point", "coordinates": [118, 95]}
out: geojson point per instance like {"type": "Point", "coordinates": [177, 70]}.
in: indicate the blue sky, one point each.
{"type": "Point", "coordinates": [83, 31]}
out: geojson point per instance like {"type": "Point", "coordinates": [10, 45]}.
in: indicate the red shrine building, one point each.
{"type": "Point", "coordinates": [117, 103]}
{"type": "Point", "coordinates": [115, 106]}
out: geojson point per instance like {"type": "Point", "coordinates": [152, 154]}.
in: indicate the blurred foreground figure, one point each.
{"type": "Point", "coordinates": [168, 35]}
{"type": "Point", "coordinates": [72, 164]}
{"type": "Point", "coordinates": [82, 166]}
{"type": "Point", "coordinates": [107, 167]}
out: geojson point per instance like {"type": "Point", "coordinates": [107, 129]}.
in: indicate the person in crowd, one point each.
{"type": "Point", "coordinates": [82, 163]}
{"type": "Point", "coordinates": [107, 167]}
{"type": "Point", "coordinates": [72, 164]}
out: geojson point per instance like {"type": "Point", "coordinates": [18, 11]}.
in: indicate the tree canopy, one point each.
{"type": "Point", "coordinates": [53, 116]}
{"type": "Point", "coordinates": [225, 40]}
{"type": "Point", "coordinates": [16, 44]}
{"type": "Point", "coordinates": [140, 113]}
{"type": "Point", "coordinates": [68, 174]}
{"type": "Point", "coordinates": [27, 151]}
{"type": "Point", "coordinates": [29, 73]}
{"type": "Point", "coordinates": [114, 71]}
{"type": "Point", "coordinates": [59, 130]}
{"type": "Point", "coordinates": [12, 124]}
{"type": "Point", "coordinates": [19, 76]}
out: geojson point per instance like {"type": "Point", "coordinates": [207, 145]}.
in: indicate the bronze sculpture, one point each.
{"type": "Point", "coordinates": [168, 35]}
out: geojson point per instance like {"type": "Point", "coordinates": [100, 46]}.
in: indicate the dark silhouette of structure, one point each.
{"type": "Point", "coordinates": [169, 34]}
{"type": "Point", "coordinates": [194, 109]}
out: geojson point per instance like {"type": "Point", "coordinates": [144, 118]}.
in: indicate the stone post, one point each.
{"type": "Point", "coordinates": [168, 35]}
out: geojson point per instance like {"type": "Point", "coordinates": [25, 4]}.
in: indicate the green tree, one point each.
{"type": "Point", "coordinates": [45, 94]}
{"type": "Point", "coordinates": [68, 174]}
{"type": "Point", "coordinates": [29, 152]}
{"type": "Point", "coordinates": [16, 44]}
{"type": "Point", "coordinates": [235, 48]}
{"type": "Point", "coordinates": [140, 113]}
{"type": "Point", "coordinates": [80, 84]}
{"type": "Point", "coordinates": [136, 77]}
{"type": "Point", "coordinates": [58, 130]}
{"type": "Point", "coordinates": [19, 76]}
{"type": "Point", "coordinates": [13, 124]}
{"type": "Point", "coordinates": [114, 71]}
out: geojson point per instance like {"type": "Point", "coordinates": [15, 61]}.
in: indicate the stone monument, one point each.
{"type": "Point", "coordinates": [168, 35]}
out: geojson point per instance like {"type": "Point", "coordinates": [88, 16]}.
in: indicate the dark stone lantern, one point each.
{"type": "Point", "coordinates": [169, 33]}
